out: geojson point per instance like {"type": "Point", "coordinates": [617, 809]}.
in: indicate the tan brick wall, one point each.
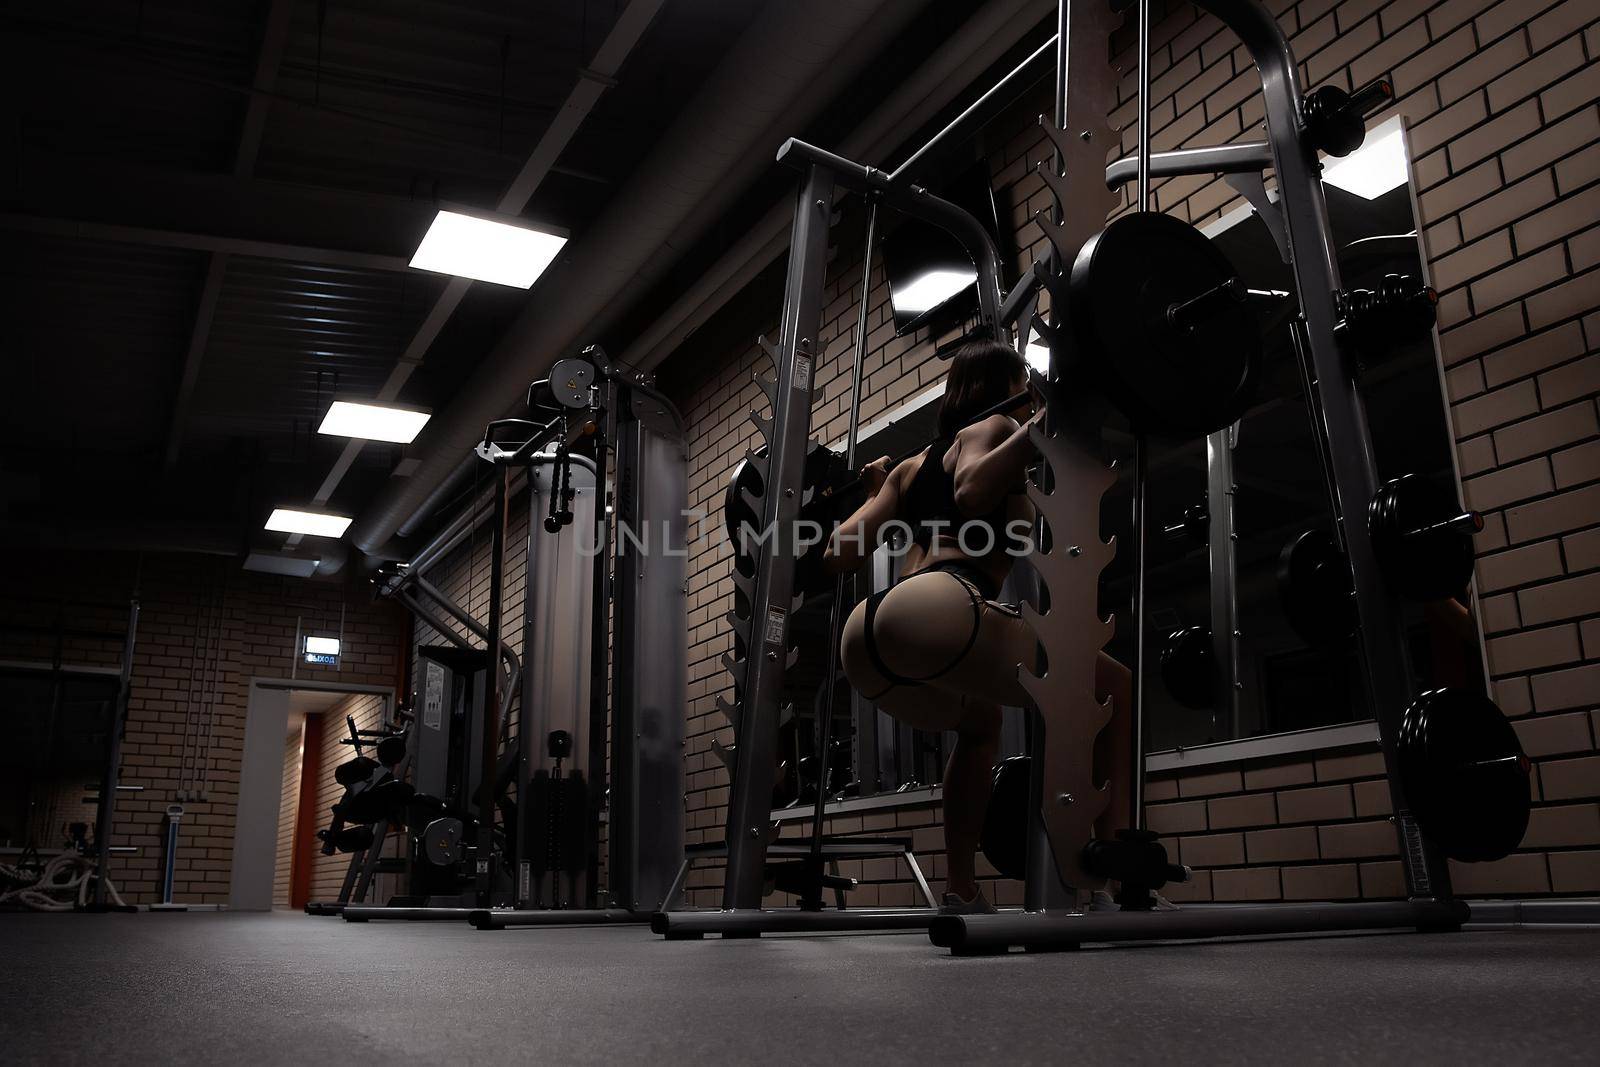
{"type": "Point", "coordinates": [288, 809]}
{"type": "Point", "coordinates": [206, 629]}
{"type": "Point", "coordinates": [1500, 102]}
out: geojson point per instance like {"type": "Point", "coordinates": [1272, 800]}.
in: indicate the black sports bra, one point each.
{"type": "Point", "coordinates": [929, 507]}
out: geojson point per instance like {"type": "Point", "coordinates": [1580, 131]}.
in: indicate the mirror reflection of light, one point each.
{"type": "Point", "coordinates": [1373, 169]}
{"type": "Point", "coordinates": [1038, 356]}
{"type": "Point", "coordinates": [932, 289]}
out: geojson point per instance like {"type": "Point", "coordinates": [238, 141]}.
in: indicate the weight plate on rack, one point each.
{"type": "Point", "coordinates": [1464, 774]}
{"type": "Point", "coordinates": [1189, 667]}
{"type": "Point", "coordinates": [1170, 380]}
{"type": "Point", "coordinates": [1314, 589]}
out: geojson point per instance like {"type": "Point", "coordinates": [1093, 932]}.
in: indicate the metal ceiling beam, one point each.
{"type": "Point", "coordinates": [217, 213]}
{"type": "Point", "coordinates": [268, 59]}
{"type": "Point", "coordinates": [202, 242]}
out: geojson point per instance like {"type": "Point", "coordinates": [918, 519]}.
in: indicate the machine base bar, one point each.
{"type": "Point", "coordinates": [325, 907]}
{"type": "Point", "coordinates": [1534, 912]}
{"type": "Point", "coordinates": [360, 913]}
{"type": "Point", "coordinates": [505, 918]}
{"type": "Point", "coordinates": [680, 925]}
{"type": "Point", "coordinates": [986, 934]}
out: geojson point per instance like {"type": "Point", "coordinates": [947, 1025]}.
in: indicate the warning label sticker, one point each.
{"type": "Point", "coordinates": [774, 635]}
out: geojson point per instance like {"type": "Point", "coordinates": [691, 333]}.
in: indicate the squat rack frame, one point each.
{"type": "Point", "coordinates": [1070, 628]}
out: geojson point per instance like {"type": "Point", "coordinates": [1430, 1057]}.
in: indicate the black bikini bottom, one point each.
{"type": "Point", "coordinates": [981, 587]}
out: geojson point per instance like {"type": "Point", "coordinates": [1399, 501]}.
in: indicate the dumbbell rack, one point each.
{"type": "Point", "coordinates": [1069, 632]}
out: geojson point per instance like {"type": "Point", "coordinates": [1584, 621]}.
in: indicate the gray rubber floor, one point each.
{"type": "Point", "coordinates": [288, 988]}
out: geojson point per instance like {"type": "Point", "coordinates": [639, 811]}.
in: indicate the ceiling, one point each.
{"type": "Point", "coordinates": [209, 206]}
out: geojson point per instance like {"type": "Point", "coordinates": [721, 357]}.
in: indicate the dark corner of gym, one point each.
{"type": "Point", "coordinates": [665, 531]}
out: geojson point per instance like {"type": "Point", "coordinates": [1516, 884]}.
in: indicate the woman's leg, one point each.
{"type": "Point", "coordinates": [968, 780]}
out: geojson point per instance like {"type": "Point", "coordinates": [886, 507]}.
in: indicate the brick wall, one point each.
{"type": "Point", "coordinates": [288, 810]}
{"type": "Point", "coordinates": [206, 629]}
{"type": "Point", "coordinates": [1505, 131]}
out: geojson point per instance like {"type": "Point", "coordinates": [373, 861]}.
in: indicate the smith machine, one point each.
{"type": "Point", "coordinates": [1144, 314]}
{"type": "Point", "coordinates": [521, 841]}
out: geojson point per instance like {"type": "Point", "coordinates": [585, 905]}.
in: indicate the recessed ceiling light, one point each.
{"type": "Point", "coordinates": [930, 290]}
{"type": "Point", "coordinates": [1373, 169]}
{"type": "Point", "coordinates": [310, 523]}
{"type": "Point", "coordinates": [373, 422]}
{"type": "Point", "coordinates": [486, 250]}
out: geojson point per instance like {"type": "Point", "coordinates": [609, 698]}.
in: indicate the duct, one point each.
{"type": "Point", "coordinates": [980, 43]}
{"type": "Point", "coordinates": [775, 79]}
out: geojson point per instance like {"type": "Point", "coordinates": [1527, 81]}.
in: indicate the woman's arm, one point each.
{"type": "Point", "coordinates": [853, 542]}
{"type": "Point", "coordinates": [991, 460]}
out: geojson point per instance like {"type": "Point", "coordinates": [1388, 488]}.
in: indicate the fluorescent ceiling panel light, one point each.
{"type": "Point", "coordinates": [310, 523]}
{"type": "Point", "coordinates": [324, 646]}
{"type": "Point", "coordinates": [272, 563]}
{"type": "Point", "coordinates": [931, 290]}
{"type": "Point", "coordinates": [1373, 169]}
{"type": "Point", "coordinates": [486, 250]}
{"type": "Point", "coordinates": [373, 422]}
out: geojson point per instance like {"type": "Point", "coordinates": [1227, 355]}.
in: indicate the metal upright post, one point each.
{"type": "Point", "coordinates": [844, 582]}
{"type": "Point", "coordinates": [1141, 468]}
{"type": "Point", "coordinates": [1349, 451]}
{"type": "Point", "coordinates": [484, 865]}
{"type": "Point", "coordinates": [1220, 548]}
{"type": "Point", "coordinates": [750, 799]}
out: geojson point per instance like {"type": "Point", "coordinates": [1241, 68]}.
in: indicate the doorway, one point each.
{"type": "Point", "coordinates": [293, 731]}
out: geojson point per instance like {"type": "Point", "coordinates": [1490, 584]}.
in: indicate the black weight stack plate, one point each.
{"type": "Point", "coordinates": [1169, 382]}
{"type": "Point", "coordinates": [1465, 775]}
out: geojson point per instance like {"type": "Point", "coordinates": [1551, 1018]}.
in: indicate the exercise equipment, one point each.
{"type": "Point", "coordinates": [1335, 121]}
{"type": "Point", "coordinates": [1163, 325]}
{"type": "Point", "coordinates": [1004, 838]}
{"type": "Point", "coordinates": [1427, 778]}
{"type": "Point", "coordinates": [1193, 524]}
{"type": "Point", "coordinates": [1464, 770]}
{"type": "Point", "coordinates": [1315, 590]}
{"type": "Point", "coordinates": [517, 835]}
{"type": "Point", "coordinates": [1422, 538]}
{"type": "Point", "coordinates": [1189, 667]}
{"type": "Point", "coordinates": [1399, 309]}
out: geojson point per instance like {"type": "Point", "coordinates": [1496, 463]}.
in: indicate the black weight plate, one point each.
{"type": "Point", "coordinates": [1189, 667]}
{"type": "Point", "coordinates": [1169, 382]}
{"type": "Point", "coordinates": [1428, 566]}
{"type": "Point", "coordinates": [392, 749]}
{"type": "Point", "coordinates": [354, 771]}
{"type": "Point", "coordinates": [1314, 588]}
{"type": "Point", "coordinates": [1004, 839]}
{"type": "Point", "coordinates": [1465, 775]}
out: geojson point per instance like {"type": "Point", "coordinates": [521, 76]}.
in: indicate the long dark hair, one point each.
{"type": "Point", "coordinates": [982, 373]}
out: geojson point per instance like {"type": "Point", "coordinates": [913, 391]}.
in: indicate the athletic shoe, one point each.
{"type": "Point", "coordinates": [978, 905]}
